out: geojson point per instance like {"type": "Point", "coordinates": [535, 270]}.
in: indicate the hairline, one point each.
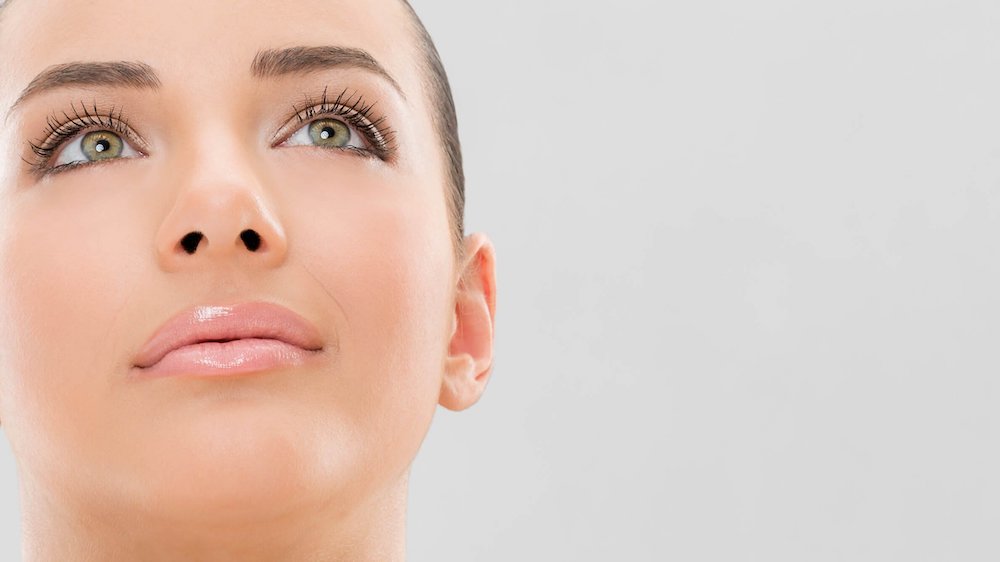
{"type": "Point", "coordinates": [446, 123]}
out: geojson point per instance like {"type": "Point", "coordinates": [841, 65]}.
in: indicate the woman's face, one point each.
{"type": "Point", "coordinates": [91, 261]}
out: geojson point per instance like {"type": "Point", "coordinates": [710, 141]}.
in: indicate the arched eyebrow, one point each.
{"type": "Point", "coordinates": [274, 63]}
{"type": "Point", "coordinates": [268, 63]}
{"type": "Point", "coordinates": [116, 74]}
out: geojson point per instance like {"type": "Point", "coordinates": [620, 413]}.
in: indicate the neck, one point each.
{"type": "Point", "coordinates": [374, 531]}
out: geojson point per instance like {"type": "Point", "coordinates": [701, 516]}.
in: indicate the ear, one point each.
{"type": "Point", "coordinates": [470, 350]}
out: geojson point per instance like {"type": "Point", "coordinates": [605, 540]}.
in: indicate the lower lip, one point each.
{"type": "Point", "coordinates": [214, 359]}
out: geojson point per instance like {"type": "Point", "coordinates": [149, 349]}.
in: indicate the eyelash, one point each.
{"type": "Point", "coordinates": [58, 132]}
{"type": "Point", "coordinates": [357, 113]}
{"type": "Point", "coordinates": [353, 109]}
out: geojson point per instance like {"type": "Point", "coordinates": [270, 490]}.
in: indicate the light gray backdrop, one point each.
{"type": "Point", "coordinates": [748, 272]}
{"type": "Point", "coordinates": [749, 263]}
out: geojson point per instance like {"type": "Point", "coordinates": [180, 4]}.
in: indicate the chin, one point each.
{"type": "Point", "coordinates": [229, 469]}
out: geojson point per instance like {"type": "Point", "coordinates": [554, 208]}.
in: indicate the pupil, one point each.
{"type": "Point", "coordinates": [102, 146]}
{"type": "Point", "coordinates": [327, 133]}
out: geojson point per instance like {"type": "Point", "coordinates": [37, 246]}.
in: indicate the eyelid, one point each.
{"type": "Point", "coordinates": [49, 166]}
{"type": "Point", "coordinates": [289, 129]}
{"type": "Point", "coordinates": [63, 132]}
{"type": "Point", "coordinates": [353, 111]}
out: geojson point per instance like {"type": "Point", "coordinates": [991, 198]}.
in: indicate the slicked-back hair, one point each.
{"type": "Point", "coordinates": [446, 123]}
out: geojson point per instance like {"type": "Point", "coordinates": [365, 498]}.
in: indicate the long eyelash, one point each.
{"type": "Point", "coordinates": [358, 113]}
{"type": "Point", "coordinates": [59, 131]}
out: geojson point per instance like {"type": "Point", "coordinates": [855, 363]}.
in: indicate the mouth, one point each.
{"type": "Point", "coordinates": [232, 339]}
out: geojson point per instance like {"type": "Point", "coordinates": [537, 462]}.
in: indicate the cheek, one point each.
{"type": "Point", "coordinates": [384, 256]}
{"type": "Point", "coordinates": [65, 276]}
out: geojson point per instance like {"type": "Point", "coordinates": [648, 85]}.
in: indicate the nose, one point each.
{"type": "Point", "coordinates": [221, 216]}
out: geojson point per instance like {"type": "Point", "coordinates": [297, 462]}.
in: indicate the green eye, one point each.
{"type": "Point", "coordinates": [101, 145]}
{"type": "Point", "coordinates": [330, 133]}
{"type": "Point", "coordinates": [95, 146]}
{"type": "Point", "coordinates": [335, 134]}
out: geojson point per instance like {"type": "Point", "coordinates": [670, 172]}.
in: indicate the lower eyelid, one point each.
{"type": "Point", "coordinates": [82, 164]}
{"type": "Point", "coordinates": [377, 141]}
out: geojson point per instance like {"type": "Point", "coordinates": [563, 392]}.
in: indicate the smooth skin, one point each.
{"type": "Point", "coordinates": [308, 463]}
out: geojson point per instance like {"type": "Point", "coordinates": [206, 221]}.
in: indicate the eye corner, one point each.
{"type": "Point", "coordinates": [278, 140]}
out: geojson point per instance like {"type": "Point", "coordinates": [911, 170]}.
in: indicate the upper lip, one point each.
{"type": "Point", "coordinates": [229, 322]}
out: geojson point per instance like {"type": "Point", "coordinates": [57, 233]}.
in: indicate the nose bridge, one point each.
{"type": "Point", "coordinates": [221, 210]}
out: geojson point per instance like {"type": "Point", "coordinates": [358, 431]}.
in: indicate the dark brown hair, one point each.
{"type": "Point", "coordinates": [446, 122]}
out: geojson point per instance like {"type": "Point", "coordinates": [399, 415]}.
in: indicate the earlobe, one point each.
{"type": "Point", "coordinates": [470, 350]}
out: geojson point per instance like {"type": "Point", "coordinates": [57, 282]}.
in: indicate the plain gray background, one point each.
{"type": "Point", "coordinates": [748, 268]}
{"type": "Point", "coordinates": [748, 261]}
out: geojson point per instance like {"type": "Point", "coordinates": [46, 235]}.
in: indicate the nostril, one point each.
{"type": "Point", "coordinates": [251, 239]}
{"type": "Point", "coordinates": [191, 241]}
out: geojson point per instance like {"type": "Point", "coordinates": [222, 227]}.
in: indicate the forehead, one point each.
{"type": "Point", "coordinates": [196, 41]}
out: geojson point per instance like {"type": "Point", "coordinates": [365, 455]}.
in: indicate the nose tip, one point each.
{"type": "Point", "coordinates": [216, 225]}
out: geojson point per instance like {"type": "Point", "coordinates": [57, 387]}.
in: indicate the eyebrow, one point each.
{"type": "Point", "coordinates": [274, 63]}
{"type": "Point", "coordinates": [120, 74]}
{"type": "Point", "coordinates": [268, 63]}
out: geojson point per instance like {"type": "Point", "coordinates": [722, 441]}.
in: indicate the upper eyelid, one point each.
{"type": "Point", "coordinates": [129, 133]}
{"type": "Point", "coordinates": [120, 125]}
{"type": "Point", "coordinates": [286, 131]}
{"type": "Point", "coordinates": [373, 130]}
{"type": "Point", "coordinates": [353, 107]}
{"type": "Point", "coordinates": [50, 147]}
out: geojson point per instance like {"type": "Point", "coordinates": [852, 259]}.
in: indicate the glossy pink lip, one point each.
{"type": "Point", "coordinates": [220, 340]}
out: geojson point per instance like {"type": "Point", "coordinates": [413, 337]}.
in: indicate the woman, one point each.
{"type": "Point", "coordinates": [235, 284]}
